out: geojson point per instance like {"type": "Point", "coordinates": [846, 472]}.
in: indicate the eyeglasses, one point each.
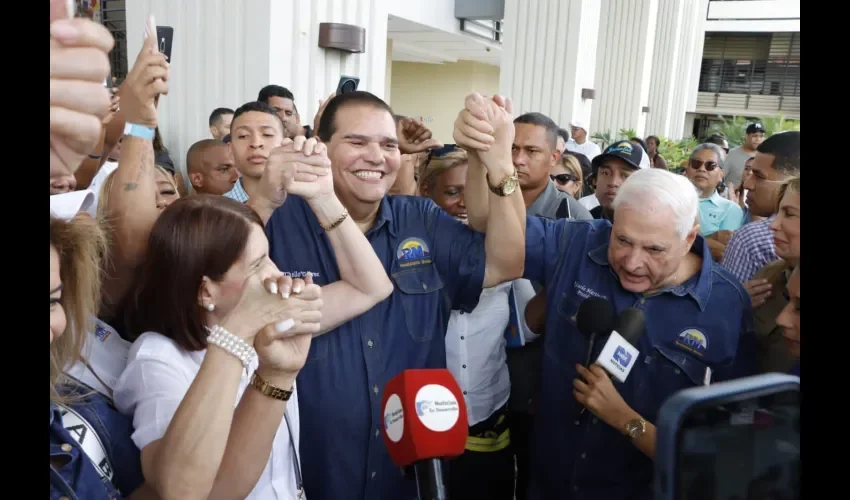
{"type": "Point", "coordinates": [563, 179]}
{"type": "Point", "coordinates": [709, 165]}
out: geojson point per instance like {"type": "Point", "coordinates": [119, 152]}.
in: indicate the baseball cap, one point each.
{"type": "Point", "coordinates": [67, 205]}
{"type": "Point", "coordinates": [578, 123]}
{"type": "Point", "coordinates": [623, 150]}
{"type": "Point", "coordinates": [752, 128]}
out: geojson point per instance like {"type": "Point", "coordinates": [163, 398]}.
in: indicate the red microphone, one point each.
{"type": "Point", "coordinates": [424, 422]}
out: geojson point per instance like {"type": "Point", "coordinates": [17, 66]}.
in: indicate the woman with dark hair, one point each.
{"type": "Point", "coordinates": [655, 159]}
{"type": "Point", "coordinates": [210, 381]}
{"type": "Point", "coordinates": [768, 287]}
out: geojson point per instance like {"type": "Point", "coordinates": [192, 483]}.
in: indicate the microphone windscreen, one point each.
{"type": "Point", "coordinates": [595, 315]}
{"type": "Point", "coordinates": [631, 324]}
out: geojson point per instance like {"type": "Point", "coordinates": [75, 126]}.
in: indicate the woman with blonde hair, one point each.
{"type": "Point", "coordinates": [91, 452]}
{"type": "Point", "coordinates": [475, 350]}
{"type": "Point", "coordinates": [768, 288]}
{"type": "Point", "coordinates": [566, 174]}
{"type": "Point", "coordinates": [443, 178]}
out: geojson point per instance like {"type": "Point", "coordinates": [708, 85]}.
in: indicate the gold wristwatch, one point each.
{"type": "Point", "coordinates": [635, 428]}
{"type": "Point", "coordinates": [507, 186]}
{"type": "Point", "coordinates": [269, 390]}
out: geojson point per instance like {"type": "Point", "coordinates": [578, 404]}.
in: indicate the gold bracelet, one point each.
{"type": "Point", "coordinates": [269, 390]}
{"type": "Point", "coordinates": [330, 227]}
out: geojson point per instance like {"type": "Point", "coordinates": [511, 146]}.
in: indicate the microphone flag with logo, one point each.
{"type": "Point", "coordinates": [620, 353]}
{"type": "Point", "coordinates": [424, 416]}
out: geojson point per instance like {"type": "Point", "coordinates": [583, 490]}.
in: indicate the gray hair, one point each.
{"type": "Point", "coordinates": [652, 188]}
{"type": "Point", "coordinates": [714, 148]}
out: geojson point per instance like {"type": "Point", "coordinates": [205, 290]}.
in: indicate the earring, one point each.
{"type": "Point", "coordinates": [210, 307]}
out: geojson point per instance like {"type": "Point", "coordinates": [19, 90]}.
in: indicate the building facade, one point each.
{"type": "Point", "coordinates": [663, 67]}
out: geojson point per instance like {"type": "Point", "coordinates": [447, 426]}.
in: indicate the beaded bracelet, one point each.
{"type": "Point", "coordinates": [234, 345]}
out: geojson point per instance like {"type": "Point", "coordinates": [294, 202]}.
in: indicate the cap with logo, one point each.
{"type": "Point", "coordinates": [624, 150]}
{"type": "Point", "coordinates": [752, 128]}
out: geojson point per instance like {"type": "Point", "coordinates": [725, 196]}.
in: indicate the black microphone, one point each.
{"type": "Point", "coordinates": [595, 317]}
{"type": "Point", "coordinates": [631, 324]}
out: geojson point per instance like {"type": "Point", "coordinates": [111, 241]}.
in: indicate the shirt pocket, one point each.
{"type": "Point", "coordinates": [670, 371]}
{"type": "Point", "coordinates": [560, 341]}
{"type": "Point", "coordinates": [419, 289]}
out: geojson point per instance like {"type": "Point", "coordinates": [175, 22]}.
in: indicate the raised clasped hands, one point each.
{"type": "Point", "coordinates": [299, 166]}
{"type": "Point", "coordinates": [485, 127]}
{"type": "Point", "coordinates": [282, 347]}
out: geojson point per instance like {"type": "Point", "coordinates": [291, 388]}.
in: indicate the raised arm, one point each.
{"type": "Point", "coordinates": [131, 200]}
{"type": "Point", "coordinates": [303, 169]}
{"type": "Point", "coordinates": [505, 215]}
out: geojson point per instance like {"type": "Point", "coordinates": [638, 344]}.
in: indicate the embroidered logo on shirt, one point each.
{"type": "Point", "coordinates": [693, 341]}
{"type": "Point", "coordinates": [585, 291]}
{"type": "Point", "coordinates": [101, 333]}
{"type": "Point", "coordinates": [413, 252]}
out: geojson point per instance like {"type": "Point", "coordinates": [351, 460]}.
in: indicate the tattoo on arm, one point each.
{"type": "Point", "coordinates": [146, 161]}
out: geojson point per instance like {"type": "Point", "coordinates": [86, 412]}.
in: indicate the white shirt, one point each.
{"type": "Point", "coordinates": [587, 148]}
{"type": "Point", "coordinates": [475, 351]}
{"type": "Point", "coordinates": [589, 202]}
{"type": "Point", "coordinates": [106, 353]}
{"type": "Point", "coordinates": [158, 376]}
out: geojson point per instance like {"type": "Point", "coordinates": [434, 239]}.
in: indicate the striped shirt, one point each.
{"type": "Point", "coordinates": [750, 248]}
{"type": "Point", "coordinates": [238, 192]}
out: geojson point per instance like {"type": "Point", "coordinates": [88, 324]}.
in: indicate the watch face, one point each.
{"type": "Point", "coordinates": [510, 186]}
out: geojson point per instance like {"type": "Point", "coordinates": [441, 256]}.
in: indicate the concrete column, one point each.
{"type": "Point", "coordinates": [549, 56]}
{"type": "Point", "coordinates": [624, 65]}
{"type": "Point", "coordinates": [692, 40]}
{"type": "Point", "coordinates": [225, 51]}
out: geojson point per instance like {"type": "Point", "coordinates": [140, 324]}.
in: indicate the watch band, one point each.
{"type": "Point", "coordinates": [500, 189]}
{"type": "Point", "coordinates": [140, 131]}
{"type": "Point", "coordinates": [268, 389]}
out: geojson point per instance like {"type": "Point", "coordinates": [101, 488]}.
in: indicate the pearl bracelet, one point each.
{"type": "Point", "coordinates": [232, 344]}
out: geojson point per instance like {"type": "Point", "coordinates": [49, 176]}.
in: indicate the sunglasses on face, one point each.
{"type": "Point", "coordinates": [709, 165]}
{"type": "Point", "coordinates": [563, 179]}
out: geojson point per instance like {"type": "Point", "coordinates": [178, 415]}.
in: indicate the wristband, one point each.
{"type": "Point", "coordinates": [140, 131]}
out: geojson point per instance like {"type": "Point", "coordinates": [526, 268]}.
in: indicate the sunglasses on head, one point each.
{"type": "Point", "coordinates": [440, 152]}
{"type": "Point", "coordinates": [563, 179]}
{"type": "Point", "coordinates": [709, 165]}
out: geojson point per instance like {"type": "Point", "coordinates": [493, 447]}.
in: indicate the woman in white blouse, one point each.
{"type": "Point", "coordinates": [212, 420]}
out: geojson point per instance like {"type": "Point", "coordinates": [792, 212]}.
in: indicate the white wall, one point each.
{"type": "Point", "coordinates": [624, 64]}
{"type": "Point", "coordinates": [549, 56]}
{"type": "Point", "coordinates": [225, 51]}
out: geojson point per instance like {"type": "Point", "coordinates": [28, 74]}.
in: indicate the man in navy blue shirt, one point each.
{"type": "Point", "coordinates": [698, 330]}
{"type": "Point", "coordinates": [436, 263]}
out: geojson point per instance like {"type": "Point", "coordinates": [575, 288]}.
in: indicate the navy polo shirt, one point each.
{"type": "Point", "coordinates": [437, 265]}
{"type": "Point", "coordinates": [704, 323]}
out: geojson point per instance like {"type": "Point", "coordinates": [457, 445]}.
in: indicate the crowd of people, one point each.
{"type": "Point", "coordinates": [230, 334]}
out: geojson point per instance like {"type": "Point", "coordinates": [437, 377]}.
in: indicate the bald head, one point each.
{"type": "Point", "coordinates": [210, 167]}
